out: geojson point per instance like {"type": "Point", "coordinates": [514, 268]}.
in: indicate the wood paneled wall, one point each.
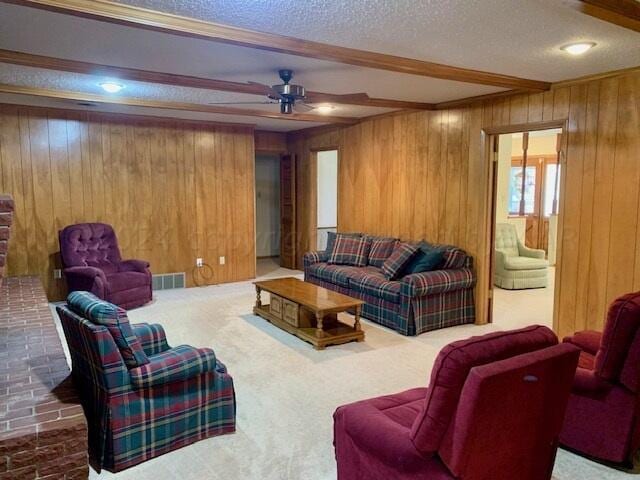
{"type": "Point", "coordinates": [426, 175]}
{"type": "Point", "coordinates": [173, 190]}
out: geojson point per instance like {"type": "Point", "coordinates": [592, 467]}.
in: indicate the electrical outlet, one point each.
{"type": "Point", "coordinates": [222, 260]}
{"type": "Point", "coordinates": [199, 262]}
{"type": "Point", "coordinates": [57, 274]}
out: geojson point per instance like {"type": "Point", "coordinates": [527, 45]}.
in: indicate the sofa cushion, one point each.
{"type": "Point", "coordinates": [428, 258]}
{"type": "Point", "coordinates": [450, 371]}
{"type": "Point", "coordinates": [115, 319]}
{"type": "Point", "coordinates": [336, 274]}
{"type": "Point", "coordinates": [525, 263]}
{"type": "Point", "coordinates": [381, 249]}
{"type": "Point", "coordinates": [377, 285]}
{"type": "Point", "coordinates": [126, 281]}
{"type": "Point", "coordinates": [401, 256]}
{"type": "Point", "coordinates": [350, 251]}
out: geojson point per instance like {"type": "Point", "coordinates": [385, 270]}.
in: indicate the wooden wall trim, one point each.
{"type": "Point", "coordinates": [174, 24]}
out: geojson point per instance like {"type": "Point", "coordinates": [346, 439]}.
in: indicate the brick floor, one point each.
{"type": "Point", "coordinates": [43, 432]}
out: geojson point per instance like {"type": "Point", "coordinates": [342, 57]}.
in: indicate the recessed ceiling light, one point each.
{"type": "Point", "coordinates": [111, 87]}
{"type": "Point", "coordinates": [578, 48]}
{"type": "Point", "coordinates": [325, 109]}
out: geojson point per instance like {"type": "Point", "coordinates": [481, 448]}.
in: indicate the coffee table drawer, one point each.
{"type": "Point", "coordinates": [290, 312]}
{"type": "Point", "coordinates": [275, 305]}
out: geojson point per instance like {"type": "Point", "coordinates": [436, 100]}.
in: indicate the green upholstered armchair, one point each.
{"type": "Point", "coordinates": [517, 266]}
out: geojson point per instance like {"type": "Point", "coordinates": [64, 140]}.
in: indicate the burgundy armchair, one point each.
{"type": "Point", "coordinates": [493, 411]}
{"type": "Point", "coordinates": [91, 262]}
{"type": "Point", "coordinates": [604, 406]}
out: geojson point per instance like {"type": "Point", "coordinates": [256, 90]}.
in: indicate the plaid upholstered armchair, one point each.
{"type": "Point", "coordinates": [141, 397]}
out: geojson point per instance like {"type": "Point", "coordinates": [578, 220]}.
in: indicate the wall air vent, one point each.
{"type": "Point", "coordinates": [166, 281]}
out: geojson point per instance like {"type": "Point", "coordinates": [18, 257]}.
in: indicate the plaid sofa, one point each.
{"type": "Point", "coordinates": [411, 305]}
{"type": "Point", "coordinates": [175, 397]}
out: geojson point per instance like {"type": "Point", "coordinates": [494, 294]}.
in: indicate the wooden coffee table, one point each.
{"type": "Point", "coordinates": [308, 311]}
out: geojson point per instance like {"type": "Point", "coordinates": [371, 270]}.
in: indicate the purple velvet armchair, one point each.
{"type": "Point", "coordinates": [493, 411]}
{"type": "Point", "coordinates": [603, 415]}
{"type": "Point", "coordinates": [91, 261]}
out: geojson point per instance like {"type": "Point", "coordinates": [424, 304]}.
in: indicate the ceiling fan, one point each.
{"type": "Point", "coordinates": [293, 98]}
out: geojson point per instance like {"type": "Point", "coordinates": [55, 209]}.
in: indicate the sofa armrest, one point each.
{"type": "Point", "coordinates": [133, 266]}
{"type": "Point", "coordinates": [152, 337]}
{"type": "Point", "coordinates": [173, 365]}
{"type": "Point", "coordinates": [529, 252]}
{"type": "Point", "coordinates": [309, 258]}
{"type": "Point", "coordinates": [437, 281]}
{"type": "Point", "coordinates": [587, 340]}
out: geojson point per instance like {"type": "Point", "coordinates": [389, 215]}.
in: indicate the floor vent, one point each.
{"type": "Point", "coordinates": [166, 281]}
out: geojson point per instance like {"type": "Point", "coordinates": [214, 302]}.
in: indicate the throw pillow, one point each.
{"type": "Point", "coordinates": [350, 251]}
{"type": "Point", "coordinates": [97, 311]}
{"type": "Point", "coordinates": [402, 254]}
{"type": "Point", "coordinates": [381, 249]}
{"type": "Point", "coordinates": [331, 241]}
{"type": "Point", "coordinates": [427, 259]}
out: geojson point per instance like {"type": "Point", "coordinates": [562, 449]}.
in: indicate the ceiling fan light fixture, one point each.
{"type": "Point", "coordinates": [578, 48]}
{"type": "Point", "coordinates": [111, 87]}
{"type": "Point", "coordinates": [325, 109]}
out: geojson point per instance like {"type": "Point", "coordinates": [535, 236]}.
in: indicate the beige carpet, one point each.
{"type": "Point", "coordinates": [287, 391]}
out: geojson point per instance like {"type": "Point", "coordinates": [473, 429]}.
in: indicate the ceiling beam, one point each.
{"type": "Point", "coordinates": [189, 107]}
{"type": "Point", "coordinates": [124, 73]}
{"type": "Point", "coordinates": [153, 20]}
{"type": "Point", "coordinates": [624, 13]}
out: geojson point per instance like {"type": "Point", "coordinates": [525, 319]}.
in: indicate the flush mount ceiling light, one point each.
{"type": "Point", "coordinates": [111, 87]}
{"type": "Point", "coordinates": [325, 109]}
{"type": "Point", "coordinates": [578, 48]}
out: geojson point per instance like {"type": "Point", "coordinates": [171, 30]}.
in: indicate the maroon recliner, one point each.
{"type": "Point", "coordinates": [493, 411]}
{"type": "Point", "coordinates": [91, 262]}
{"type": "Point", "coordinates": [602, 414]}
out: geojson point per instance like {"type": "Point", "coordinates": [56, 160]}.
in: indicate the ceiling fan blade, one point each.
{"type": "Point", "coordinates": [244, 103]}
{"type": "Point", "coordinates": [331, 97]}
{"type": "Point", "coordinates": [267, 89]}
{"type": "Point", "coordinates": [303, 107]}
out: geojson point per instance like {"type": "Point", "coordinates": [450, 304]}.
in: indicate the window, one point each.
{"type": "Point", "coordinates": [515, 190]}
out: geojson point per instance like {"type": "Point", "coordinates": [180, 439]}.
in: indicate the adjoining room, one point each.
{"type": "Point", "coordinates": [319, 241]}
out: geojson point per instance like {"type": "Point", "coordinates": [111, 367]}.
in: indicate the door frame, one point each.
{"type": "Point", "coordinates": [490, 136]}
{"type": "Point", "coordinates": [313, 238]}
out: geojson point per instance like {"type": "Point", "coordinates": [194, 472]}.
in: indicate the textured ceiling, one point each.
{"type": "Point", "coordinates": [514, 37]}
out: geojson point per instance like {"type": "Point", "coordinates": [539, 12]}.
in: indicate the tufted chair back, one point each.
{"type": "Point", "coordinates": [618, 359]}
{"type": "Point", "coordinates": [90, 245]}
{"type": "Point", "coordinates": [507, 239]}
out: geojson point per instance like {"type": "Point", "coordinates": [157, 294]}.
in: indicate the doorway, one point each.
{"type": "Point", "coordinates": [527, 180]}
{"type": "Point", "coordinates": [327, 196]}
{"type": "Point", "coordinates": [267, 190]}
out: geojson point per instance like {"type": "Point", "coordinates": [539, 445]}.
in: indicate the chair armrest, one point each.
{"type": "Point", "coordinates": [174, 365]}
{"type": "Point", "coordinates": [499, 258]}
{"type": "Point", "coordinates": [437, 281]}
{"type": "Point", "coordinates": [587, 340]}
{"type": "Point", "coordinates": [152, 338]}
{"type": "Point", "coordinates": [133, 266]}
{"type": "Point", "coordinates": [85, 272]}
{"type": "Point", "coordinates": [309, 258]}
{"type": "Point", "coordinates": [529, 252]}
{"type": "Point", "coordinates": [379, 436]}
{"type": "Point", "coordinates": [587, 382]}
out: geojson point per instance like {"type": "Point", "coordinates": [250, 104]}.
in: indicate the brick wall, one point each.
{"type": "Point", "coordinates": [43, 432]}
{"type": "Point", "coordinates": [6, 219]}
